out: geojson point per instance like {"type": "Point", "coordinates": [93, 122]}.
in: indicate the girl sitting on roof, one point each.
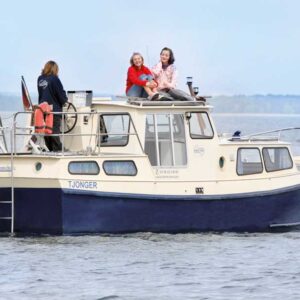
{"type": "Point", "coordinates": [165, 72]}
{"type": "Point", "coordinates": [140, 81]}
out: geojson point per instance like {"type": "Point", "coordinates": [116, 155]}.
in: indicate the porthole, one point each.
{"type": "Point", "coordinates": [221, 161]}
{"type": "Point", "coordinates": [38, 166]}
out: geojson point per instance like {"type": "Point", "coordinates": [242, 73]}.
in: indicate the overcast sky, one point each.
{"type": "Point", "coordinates": [228, 46]}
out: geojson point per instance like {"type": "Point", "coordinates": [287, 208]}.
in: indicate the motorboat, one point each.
{"type": "Point", "coordinates": [134, 165]}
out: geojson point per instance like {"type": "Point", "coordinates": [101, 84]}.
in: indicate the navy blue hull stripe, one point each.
{"type": "Point", "coordinates": [182, 197]}
{"type": "Point", "coordinates": [57, 211]}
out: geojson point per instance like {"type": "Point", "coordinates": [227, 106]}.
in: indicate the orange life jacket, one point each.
{"type": "Point", "coordinates": [43, 118]}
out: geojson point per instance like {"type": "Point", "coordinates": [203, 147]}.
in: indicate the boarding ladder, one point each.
{"type": "Point", "coordinates": [3, 145]}
{"type": "Point", "coordinates": [7, 206]}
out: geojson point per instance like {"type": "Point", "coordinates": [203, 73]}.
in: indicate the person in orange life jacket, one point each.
{"type": "Point", "coordinates": [51, 90]}
{"type": "Point", "coordinates": [165, 73]}
{"type": "Point", "coordinates": [140, 81]}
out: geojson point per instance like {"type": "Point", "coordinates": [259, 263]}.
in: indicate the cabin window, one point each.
{"type": "Point", "coordinates": [249, 161]}
{"type": "Point", "coordinates": [165, 142]}
{"type": "Point", "coordinates": [200, 126]}
{"type": "Point", "coordinates": [84, 167]}
{"type": "Point", "coordinates": [114, 130]}
{"type": "Point", "coordinates": [277, 159]}
{"type": "Point", "coordinates": [120, 167]}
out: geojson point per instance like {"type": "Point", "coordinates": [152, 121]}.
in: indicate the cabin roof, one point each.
{"type": "Point", "coordinates": [140, 103]}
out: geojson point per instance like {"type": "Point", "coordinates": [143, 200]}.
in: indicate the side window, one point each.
{"type": "Point", "coordinates": [150, 140]}
{"type": "Point", "coordinates": [119, 167]}
{"type": "Point", "coordinates": [249, 161]}
{"type": "Point", "coordinates": [179, 140]}
{"type": "Point", "coordinates": [165, 142]}
{"type": "Point", "coordinates": [84, 167]}
{"type": "Point", "coordinates": [277, 159]}
{"type": "Point", "coordinates": [114, 130]}
{"type": "Point", "coordinates": [200, 127]}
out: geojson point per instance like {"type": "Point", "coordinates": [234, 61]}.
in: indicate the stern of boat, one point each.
{"type": "Point", "coordinates": [297, 162]}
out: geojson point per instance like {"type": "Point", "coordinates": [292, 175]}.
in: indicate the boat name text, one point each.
{"type": "Point", "coordinates": [166, 173]}
{"type": "Point", "coordinates": [79, 184]}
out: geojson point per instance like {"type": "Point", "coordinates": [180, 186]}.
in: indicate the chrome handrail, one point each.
{"type": "Point", "coordinates": [250, 137]}
{"type": "Point", "coordinates": [63, 135]}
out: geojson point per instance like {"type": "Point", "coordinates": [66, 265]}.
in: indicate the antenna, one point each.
{"type": "Point", "coordinates": [147, 53]}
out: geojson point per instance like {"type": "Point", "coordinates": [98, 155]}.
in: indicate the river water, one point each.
{"type": "Point", "coordinates": [158, 266]}
{"type": "Point", "coordinates": [152, 266]}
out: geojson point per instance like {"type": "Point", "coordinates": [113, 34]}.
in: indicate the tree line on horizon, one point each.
{"type": "Point", "coordinates": [286, 104]}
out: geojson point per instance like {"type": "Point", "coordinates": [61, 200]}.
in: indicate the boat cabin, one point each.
{"type": "Point", "coordinates": [172, 139]}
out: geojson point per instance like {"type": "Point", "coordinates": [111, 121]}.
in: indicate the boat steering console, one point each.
{"type": "Point", "coordinates": [69, 118]}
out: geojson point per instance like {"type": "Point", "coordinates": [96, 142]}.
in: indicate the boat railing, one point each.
{"type": "Point", "coordinates": [288, 134]}
{"type": "Point", "coordinates": [275, 134]}
{"type": "Point", "coordinates": [271, 135]}
{"type": "Point", "coordinates": [15, 131]}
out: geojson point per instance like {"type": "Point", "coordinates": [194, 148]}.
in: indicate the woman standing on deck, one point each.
{"type": "Point", "coordinates": [51, 90]}
{"type": "Point", "coordinates": [165, 72]}
{"type": "Point", "coordinates": [140, 81]}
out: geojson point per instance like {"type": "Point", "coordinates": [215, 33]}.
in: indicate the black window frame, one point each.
{"type": "Point", "coordinates": [261, 160]}
{"type": "Point", "coordinates": [83, 161]}
{"type": "Point", "coordinates": [128, 133]}
{"type": "Point", "coordinates": [201, 138]}
{"type": "Point", "coordinates": [278, 169]}
{"type": "Point", "coordinates": [131, 161]}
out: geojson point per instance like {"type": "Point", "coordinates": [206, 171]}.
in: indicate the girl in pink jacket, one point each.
{"type": "Point", "coordinates": [165, 73]}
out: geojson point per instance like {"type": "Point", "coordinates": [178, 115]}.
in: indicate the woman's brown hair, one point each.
{"type": "Point", "coordinates": [133, 55]}
{"type": "Point", "coordinates": [172, 58]}
{"type": "Point", "coordinates": [50, 68]}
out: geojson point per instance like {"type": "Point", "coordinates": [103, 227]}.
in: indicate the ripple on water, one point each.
{"type": "Point", "coordinates": [148, 266]}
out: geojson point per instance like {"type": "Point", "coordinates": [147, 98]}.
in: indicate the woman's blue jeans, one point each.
{"type": "Point", "coordinates": [138, 90]}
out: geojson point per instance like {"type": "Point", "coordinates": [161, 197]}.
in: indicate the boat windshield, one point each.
{"type": "Point", "coordinates": [165, 141]}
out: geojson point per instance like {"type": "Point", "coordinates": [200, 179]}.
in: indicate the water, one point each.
{"type": "Point", "coordinates": [152, 266]}
{"type": "Point", "coordinates": [159, 266]}
{"type": "Point", "coordinates": [254, 123]}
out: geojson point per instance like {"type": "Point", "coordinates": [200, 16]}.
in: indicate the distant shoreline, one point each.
{"type": "Point", "coordinates": [258, 114]}
{"type": "Point", "coordinates": [239, 104]}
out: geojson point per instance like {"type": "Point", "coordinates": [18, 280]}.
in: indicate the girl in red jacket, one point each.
{"type": "Point", "coordinates": [140, 81]}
